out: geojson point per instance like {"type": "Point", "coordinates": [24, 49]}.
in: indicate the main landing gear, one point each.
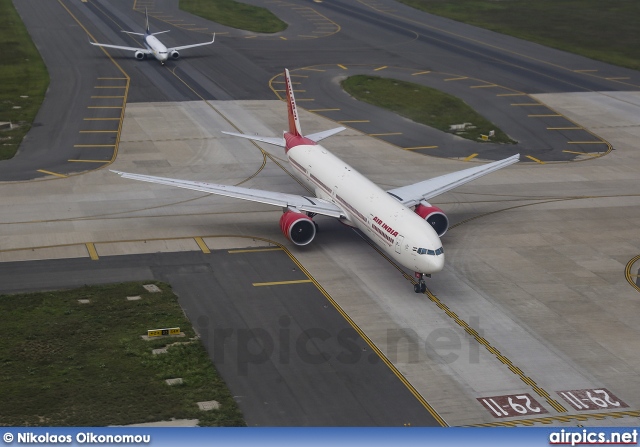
{"type": "Point", "coordinates": [421, 286]}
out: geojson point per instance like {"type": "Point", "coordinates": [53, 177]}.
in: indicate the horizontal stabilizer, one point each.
{"type": "Point", "coordinates": [324, 134]}
{"type": "Point", "coordinates": [270, 140]}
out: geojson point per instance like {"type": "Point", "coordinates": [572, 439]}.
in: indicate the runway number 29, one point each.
{"type": "Point", "coordinates": [512, 405]}
{"type": "Point", "coordinates": [592, 399]}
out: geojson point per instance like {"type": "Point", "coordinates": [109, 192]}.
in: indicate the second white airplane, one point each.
{"type": "Point", "coordinates": [153, 47]}
{"type": "Point", "coordinates": [400, 221]}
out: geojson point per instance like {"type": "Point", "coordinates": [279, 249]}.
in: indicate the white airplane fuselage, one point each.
{"type": "Point", "coordinates": [156, 47]}
{"type": "Point", "coordinates": [393, 227]}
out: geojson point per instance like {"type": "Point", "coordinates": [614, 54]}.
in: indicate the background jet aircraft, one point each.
{"type": "Point", "coordinates": [152, 45]}
{"type": "Point", "coordinates": [400, 221]}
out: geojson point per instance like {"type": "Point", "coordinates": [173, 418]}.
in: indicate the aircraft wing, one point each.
{"type": "Point", "coordinates": [412, 194]}
{"type": "Point", "coordinates": [276, 141]}
{"type": "Point", "coordinates": [302, 203]}
{"type": "Point", "coordinates": [184, 47]}
{"type": "Point", "coordinates": [118, 47]}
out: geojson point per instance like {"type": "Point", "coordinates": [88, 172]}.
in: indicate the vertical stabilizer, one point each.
{"type": "Point", "coordinates": [294, 122]}
{"type": "Point", "coordinates": [146, 18]}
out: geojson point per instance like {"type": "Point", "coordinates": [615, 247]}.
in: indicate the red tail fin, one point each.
{"type": "Point", "coordinates": [294, 123]}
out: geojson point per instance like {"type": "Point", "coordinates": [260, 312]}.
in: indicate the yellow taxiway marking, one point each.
{"type": "Point", "coordinates": [419, 147]}
{"type": "Point", "coordinates": [202, 244]}
{"type": "Point", "coordinates": [342, 66]}
{"type": "Point", "coordinates": [470, 157]}
{"type": "Point", "coordinates": [52, 173]}
{"type": "Point", "coordinates": [586, 142]}
{"type": "Point", "coordinates": [583, 153]}
{"type": "Point", "coordinates": [384, 134]}
{"type": "Point", "coordinates": [380, 68]}
{"type": "Point", "coordinates": [354, 121]}
{"type": "Point", "coordinates": [282, 283]}
{"type": "Point", "coordinates": [420, 73]}
{"type": "Point", "coordinates": [544, 116]}
{"type": "Point", "coordinates": [585, 71]}
{"type": "Point", "coordinates": [534, 159]}
{"type": "Point", "coordinates": [456, 79]}
{"type": "Point", "coordinates": [283, 38]}
{"type": "Point", "coordinates": [254, 250]}
{"type": "Point", "coordinates": [91, 248]}
{"type": "Point", "coordinates": [484, 86]}
{"type": "Point", "coordinates": [94, 145]}
{"type": "Point", "coordinates": [250, 37]}
{"type": "Point", "coordinates": [89, 161]}
{"type": "Point", "coordinates": [565, 128]}
{"type": "Point", "coordinates": [324, 110]}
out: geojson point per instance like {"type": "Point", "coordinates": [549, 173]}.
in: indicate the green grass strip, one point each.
{"type": "Point", "coordinates": [235, 14]}
{"type": "Point", "coordinates": [605, 30]}
{"type": "Point", "coordinates": [63, 363]}
{"type": "Point", "coordinates": [23, 79]}
{"type": "Point", "coordinates": [421, 104]}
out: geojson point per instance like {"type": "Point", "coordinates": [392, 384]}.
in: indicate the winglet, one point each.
{"type": "Point", "coordinates": [294, 122]}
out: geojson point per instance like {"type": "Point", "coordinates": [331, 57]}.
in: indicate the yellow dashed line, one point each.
{"type": "Point", "coordinates": [281, 283]}
{"type": "Point", "coordinates": [484, 86]}
{"type": "Point", "coordinates": [202, 244]}
{"type": "Point", "coordinates": [534, 159]}
{"type": "Point", "coordinates": [420, 73]}
{"type": "Point", "coordinates": [419, 147]}
{"type": "Point", "coordinates": [583, 153]}
{"type": "Point", "coordinates": [470, 157]}
{"type": "Point", "coordinates": [380, 68]}
{"type": "Point", "coordinates": [456, 79]}
{"type": "Point", "coordinates": [342, 66]}
{"type": "Point", "coordinates": [52, 173]}
{"type": "Point", "coordinates": [91, 248]}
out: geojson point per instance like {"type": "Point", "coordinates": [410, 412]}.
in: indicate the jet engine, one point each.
{"type": "Point", "coordinates": [297, 227]}
{"type": "Point", "coordinates": [175, 54]}
{"type": "Point", "coordinates": [434, 215]}
{"type": "Point", "coordinates": [139, 55]}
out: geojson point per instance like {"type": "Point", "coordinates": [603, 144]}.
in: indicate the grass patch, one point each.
{"type": "Point", "coordinates": [63, 363]}
{"type": "Point", "coordinates": [421, 104]}
{"type": "Point", "coordinates": [606, 30]}
{"type": "Point", "coordinates": [235, 14]}
{"type": "Point", "coordinates": [23, 79]}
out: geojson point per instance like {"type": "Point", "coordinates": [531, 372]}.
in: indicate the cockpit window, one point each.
{"type": "Point", "coordinates": [424, 251]}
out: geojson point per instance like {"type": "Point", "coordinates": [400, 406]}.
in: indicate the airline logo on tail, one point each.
{"type": "Point", "coordinates": [294, 123]}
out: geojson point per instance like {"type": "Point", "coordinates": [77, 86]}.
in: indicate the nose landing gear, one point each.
{"type": "Point", "coordinates": [421, 286]}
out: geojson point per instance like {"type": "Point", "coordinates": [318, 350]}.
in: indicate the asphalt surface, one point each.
{"type": "Point", "coordinates": [335, 36]}
{"type": "Point", "coordinates": [287, 355]}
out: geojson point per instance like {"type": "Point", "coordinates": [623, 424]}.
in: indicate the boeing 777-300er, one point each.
{"type": "Point", "coordinates": [153, 46]}
{"type": "Point", "coordinates": [400, 221]}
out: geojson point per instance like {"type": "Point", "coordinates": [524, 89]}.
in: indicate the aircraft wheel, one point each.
{"type": "Point", "coordinates": [416, 288]}
{"type": "Point", "coordinates": [423, 288]}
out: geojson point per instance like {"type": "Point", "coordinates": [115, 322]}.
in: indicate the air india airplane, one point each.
{"type": "Point", "coordinates": [152, 45]}
{"type": "Point", "coordinates": [400, 221]}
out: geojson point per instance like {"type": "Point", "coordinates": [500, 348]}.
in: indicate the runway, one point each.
{"type": "Point", "coordinates": [533, 319]}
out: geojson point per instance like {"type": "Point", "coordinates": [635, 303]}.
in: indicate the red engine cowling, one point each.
{"type": "Point", "coordinates": [435, 216]}
{"type": "Point", "coordinates": [297, 227]}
